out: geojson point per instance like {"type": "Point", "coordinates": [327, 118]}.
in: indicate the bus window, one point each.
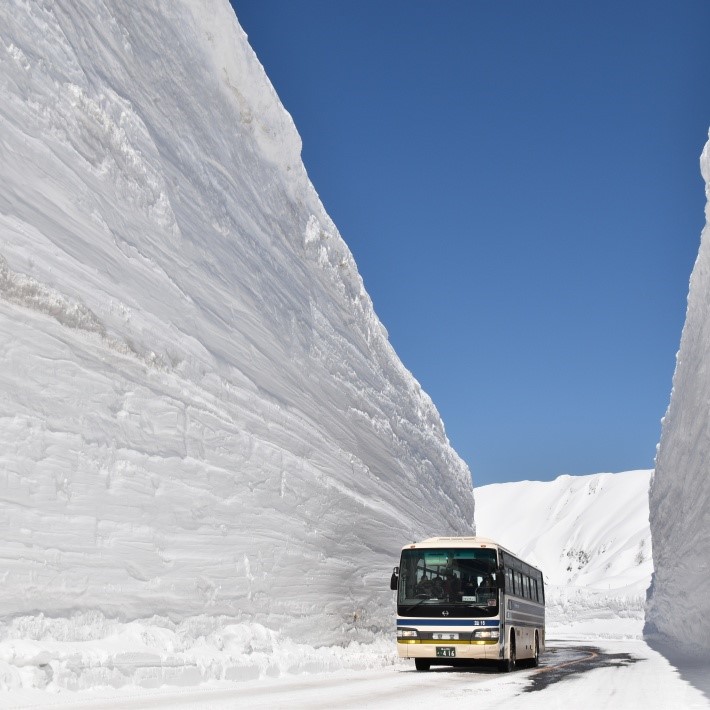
{"type": "Point", "coordinates": [435, 576]}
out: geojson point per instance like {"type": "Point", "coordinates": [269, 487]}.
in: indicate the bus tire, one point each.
{"type": "Point", "coordinates": [422, 664]}
{"type": "Point", "coordinates": [507, 665]}
{"type": "Point", "coordinates": [535, 660]}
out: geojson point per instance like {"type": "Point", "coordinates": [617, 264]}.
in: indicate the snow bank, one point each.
{"type": "Point", "coordinates": [88, 650]}
{"type": "Point", "coordinates": [202, 416]}
{"type": "Point", "coordinates": [589, 535]}
{"type": "Point", "coordinates": [679, 604]}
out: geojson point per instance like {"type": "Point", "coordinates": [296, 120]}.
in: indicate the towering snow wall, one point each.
{"type": "Point", "coordinates": [679, 604]}
{"type": "Point", "coordinates": [200, 412]}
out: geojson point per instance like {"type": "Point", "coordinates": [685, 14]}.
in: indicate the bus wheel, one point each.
{"type": "Point", "coordinates": [507, 665]}
{"type": "Point", "coordinates": [422, 664]}
{"type": "Point", "coordinates": [535, 661]}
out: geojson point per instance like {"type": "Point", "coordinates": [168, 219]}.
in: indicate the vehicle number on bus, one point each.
{"type": "Point", "coordinates": [446, 651]}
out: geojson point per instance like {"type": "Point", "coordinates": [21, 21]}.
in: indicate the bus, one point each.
{"type": "Point", "coordinates": [464, 599]}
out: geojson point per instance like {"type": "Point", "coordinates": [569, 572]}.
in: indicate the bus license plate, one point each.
{"type": "Point", "coordinates": [446, 651]}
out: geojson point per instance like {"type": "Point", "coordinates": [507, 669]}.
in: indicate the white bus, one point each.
{"type": "Point", "coordinates": [463, 599]}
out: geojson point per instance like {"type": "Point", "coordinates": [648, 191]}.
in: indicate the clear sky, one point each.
{"type": "Point", "coordinates": [519, 184]}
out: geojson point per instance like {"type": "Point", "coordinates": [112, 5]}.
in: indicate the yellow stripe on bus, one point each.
{"type": "Point", "coordinates": [450, 642]}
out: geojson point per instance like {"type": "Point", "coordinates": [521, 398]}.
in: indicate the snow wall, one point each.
{"type": "Point", "coordinates": [678, 609]}
{"type": "Point", "coordinates": [201, 414]}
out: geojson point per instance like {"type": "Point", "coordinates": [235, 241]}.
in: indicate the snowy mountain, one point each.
{"type": "Point", "coordinates": [202, 421]}
{"type": "Point", "coordinates": [680, 491]}
{"type": "Point", "coordinates": [590, 536]}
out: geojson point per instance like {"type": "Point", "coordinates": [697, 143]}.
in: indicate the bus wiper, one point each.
{"type": "Point", "coordinates": [416, 604]}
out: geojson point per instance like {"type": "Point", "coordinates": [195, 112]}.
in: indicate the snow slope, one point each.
{"type": "Point", "coordinates": [590, 536]}
{"type": "Point", "coordinates": [680, 491]}
{"type": "Point", "coordinates": [202, 421]}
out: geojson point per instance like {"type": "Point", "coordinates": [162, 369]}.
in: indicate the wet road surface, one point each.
{"type": "Point", "coordinates": [559, 663]}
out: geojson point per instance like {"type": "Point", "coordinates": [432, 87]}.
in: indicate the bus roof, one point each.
{"type": "Point", "coordinates": [453, 542]}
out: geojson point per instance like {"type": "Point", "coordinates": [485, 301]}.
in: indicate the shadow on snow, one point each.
{"type": "Point", "coordinates": [693, 668]}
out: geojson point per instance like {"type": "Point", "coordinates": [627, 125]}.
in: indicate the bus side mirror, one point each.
{"type": "Point", "coordinates": [394, 578]}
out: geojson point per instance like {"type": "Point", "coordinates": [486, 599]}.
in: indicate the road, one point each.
{"type": "Point", "coordinates": [609, 674]}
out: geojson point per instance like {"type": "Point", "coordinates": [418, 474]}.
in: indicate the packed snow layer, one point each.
{"type": "Point", "coordinates": [589, 535]}
{"type": "Point", "coordinates": [40, 653]}
{"type": "Point", "coordinates": [201, 415]}
{"type": "Point", "coordinates": [679, 603]}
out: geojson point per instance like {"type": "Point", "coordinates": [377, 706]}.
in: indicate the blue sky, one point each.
{"type": "Point", "coordinates": [519, 184]}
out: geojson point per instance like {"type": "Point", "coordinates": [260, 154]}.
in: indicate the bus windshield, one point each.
{"type": "Point", "coordinates": [463, 577]}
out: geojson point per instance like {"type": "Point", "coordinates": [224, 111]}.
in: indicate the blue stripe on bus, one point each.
{"type": "Point", "coordinates": [448, 622]}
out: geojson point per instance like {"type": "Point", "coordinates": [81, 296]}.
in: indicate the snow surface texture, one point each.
{"type": "Point", "coordinates": [202, 421]}
{"type": "Point", "coordinates": [589, 535]}
{"type": "Point", "coordinates": [679, 602]}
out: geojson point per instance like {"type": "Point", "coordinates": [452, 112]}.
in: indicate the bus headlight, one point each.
{"type": "Point", "coordinates": [487, 634]}
{"type": "Point", "coordinates": [406, 633]}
